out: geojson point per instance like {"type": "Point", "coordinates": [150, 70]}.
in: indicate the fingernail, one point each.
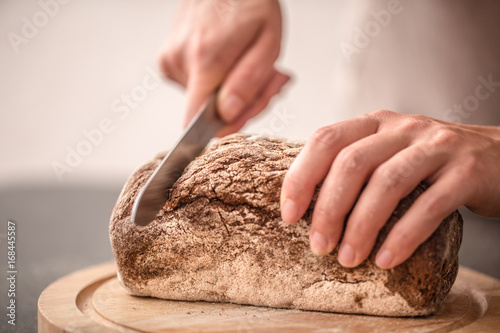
{"type": "Point", "coordinates": [231, 107]}
{"type": "Point", "coordinates": [284, 80]}
{"type": "Point", "coordinates": [289, 212]}
{"type": "Point", "coordinates": [384, 259]}
{"type": "Point", "coordinates": [319, 244]}
{"type": "Point", "coordinates": [346, 255]}
{"type": "Point", "coordinates": [288, 79]}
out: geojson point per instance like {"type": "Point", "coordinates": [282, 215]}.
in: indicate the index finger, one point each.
{"type": "Point", "coordinates": [315, 160]}
{"type": "Point", "coordinates": [212, 59]}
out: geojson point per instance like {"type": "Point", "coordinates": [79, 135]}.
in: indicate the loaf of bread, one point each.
{"type": "Point", "coordinates": [220, 238]}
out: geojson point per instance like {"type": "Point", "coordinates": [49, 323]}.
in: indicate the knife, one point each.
{"type": "Point", "coordinates": [200, 131]}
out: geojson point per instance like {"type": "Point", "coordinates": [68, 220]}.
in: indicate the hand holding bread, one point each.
{"type": "Point", "coordinates": [391, 153]}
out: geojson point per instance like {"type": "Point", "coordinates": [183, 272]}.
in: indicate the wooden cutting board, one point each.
{"type": "Point", "coordinates": [92, 300]}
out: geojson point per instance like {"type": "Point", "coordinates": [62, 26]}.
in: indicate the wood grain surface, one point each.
{"type": "Point", "coordinates": [92, 300]}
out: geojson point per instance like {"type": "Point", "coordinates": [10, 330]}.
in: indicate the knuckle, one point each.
{"type": "Point", "coordinates": [472, 168]}
{"type": "Point", "coordinates": [434, 204]}
{"type": "Point", "coordinates": [322, 213]}
{"type": "Point", "coordinates": [206, 52]}
{"type": "Point", "coordinates": [382, 114]}
{"type": "Point", "coordinates": [326, 136]}
{"type": "Point", "coordinates": [293, 185]}
{"type": "Point", "coordinates": [447, 136]}
{"type": "Point", "coordinates": [202, 48]}
{"type": "Point", "coordinates": [401, 237]}
{"type": "Point", "coordinates": [326, 215]}
{"type": "Point", "coordinates": [412, 124]}
{"type": "Point", "coordinates": [273, 46]}
{"type": "Point", "coordinates": [351, 159]}
{"type": "Point", "coordinates": [171, 58]}
{"type": "Point", "coordinates": [362, 229]}
{"type": "Point", "coordinates": [390, 177]}
{"type": "Point", "coordinates": [202, 56]}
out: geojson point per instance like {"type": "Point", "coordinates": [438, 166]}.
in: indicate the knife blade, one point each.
{"type": "Point", "coordinates": [200, 131]}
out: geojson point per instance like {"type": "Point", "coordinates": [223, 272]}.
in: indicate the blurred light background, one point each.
{"type": "Point", "coordinates": [72, 74]}
{"type": "Point", "coordinates": [82, 58]}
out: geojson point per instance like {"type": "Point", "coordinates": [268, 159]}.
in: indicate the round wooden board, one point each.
{"type": "Point", "coordinates": [92, 300]}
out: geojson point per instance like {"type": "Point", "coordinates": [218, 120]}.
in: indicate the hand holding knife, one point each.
{"type": "Point", "coordinates": [200, 131]}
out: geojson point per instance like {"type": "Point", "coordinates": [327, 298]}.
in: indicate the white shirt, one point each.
{"type": "Point", "coordinates": [436, 58]}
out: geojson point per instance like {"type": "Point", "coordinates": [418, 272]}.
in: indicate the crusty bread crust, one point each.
{"type": "Point", "coordinates": [220, 238]}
